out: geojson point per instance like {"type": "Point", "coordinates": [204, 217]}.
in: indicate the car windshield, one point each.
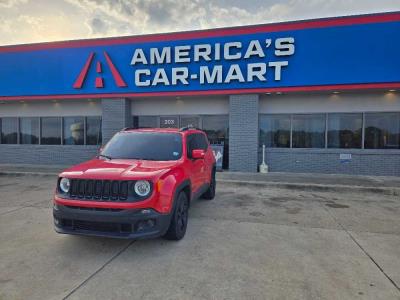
{"type": "Point", "coordinates": [144, 145]}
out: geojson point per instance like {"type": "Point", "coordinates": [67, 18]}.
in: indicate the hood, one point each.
{"type": "Point", "coordinates": [119, 169]}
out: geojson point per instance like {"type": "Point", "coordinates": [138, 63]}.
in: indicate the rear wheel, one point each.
{"type": "Point", "coordinates": [210, 193]}
{"type": "Point", "coordinates": [178, 225]}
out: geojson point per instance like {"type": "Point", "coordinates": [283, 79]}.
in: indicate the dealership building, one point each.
{"type": "Point", "coordinates": [322, 95]}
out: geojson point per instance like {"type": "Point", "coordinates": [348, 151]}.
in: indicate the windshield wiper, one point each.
{"type": "Point", "coordinates": [106, 156]}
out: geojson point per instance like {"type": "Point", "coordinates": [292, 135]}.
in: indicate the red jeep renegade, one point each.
{"type": "Point", "coordinates": [139, 186]}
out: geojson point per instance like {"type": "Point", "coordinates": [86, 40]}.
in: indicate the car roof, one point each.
{"type": "Point", "coordinates": [165, 130]}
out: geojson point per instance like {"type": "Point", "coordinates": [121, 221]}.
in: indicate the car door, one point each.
{"type": "Point", "coordinates": [202, 143]}
{"type": "Point", "coordinates": [196, 165]}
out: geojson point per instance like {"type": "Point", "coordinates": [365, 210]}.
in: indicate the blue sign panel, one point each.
{"type": "Point", "coordinates": [354, 52]}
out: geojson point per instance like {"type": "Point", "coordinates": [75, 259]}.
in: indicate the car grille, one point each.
{"type": "Point", "coordinates": [97, 226]}
{"type": "Point", "coordinates": [102, 190]}
{"type": "Point", "coordinates": [95, 208]}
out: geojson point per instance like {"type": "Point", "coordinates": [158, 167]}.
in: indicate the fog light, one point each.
{"type": "Point", "coordinates": [56, 221]}
{"type": "Point", "coordinates": [140, 226]}
{"type": "Point", "coordinates": [145, 211]}
{"type": "Point", "coordinates": [145, 224]}
{"type": "Point", "coordinates": [151, 223]}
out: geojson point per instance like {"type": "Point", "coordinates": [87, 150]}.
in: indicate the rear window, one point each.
{"type": "Point", "coordinates": [145, 146]}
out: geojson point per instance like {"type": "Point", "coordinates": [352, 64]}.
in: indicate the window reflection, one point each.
{"type": "Point", "coordinates": [93, 131]}
{"type": "Point", "coordinates": [9, 130]}
{"type": "Point", "coordinates": [29, 130]}
{"type": "Point", "coordinates": [308, 131]}
{"type": "Point", "coordinates": [344, 130]}
{"type": "Point", "coordinates": [51, 131]}
{"type": "Point", "coordinates": [74, 130]}
{"type": "Point", "coordinates": [382, 131]}
{"type": "Point", "coordinates": [275, 130]}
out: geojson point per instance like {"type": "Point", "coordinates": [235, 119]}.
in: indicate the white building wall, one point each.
{"type": "Point", "coordinates": [328, 103]}
{"type": "Point", "coordinates": [180, 106]}
{"type": "Point", "coordinates": [49, 108]}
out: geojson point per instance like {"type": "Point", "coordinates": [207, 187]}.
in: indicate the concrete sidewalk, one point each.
{"type": "Point", "coordinates": [248, 243]}
{"type": "Point", "coordinates": [303, 181]}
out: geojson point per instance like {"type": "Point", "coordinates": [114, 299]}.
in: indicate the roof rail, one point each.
{"type": "Point", "coordinates": [127, 128]}
{"type": "Point", "coordinates": [187, 128]}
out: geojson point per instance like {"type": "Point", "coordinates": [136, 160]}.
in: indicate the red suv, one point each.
{"type": "Point", "coordinates": [139, 186]}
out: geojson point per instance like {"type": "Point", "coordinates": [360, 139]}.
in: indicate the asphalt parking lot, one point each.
{"type": "Point", "coordinates": [251, 242]}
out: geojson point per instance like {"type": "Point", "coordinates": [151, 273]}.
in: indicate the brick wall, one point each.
{"type": "Point", "coordinates": [116, 115]}
{"type": "Point", "coordinates": [243, 132]}
{"type": "Point", "coordinates": [363, 162]}
{"type": "Point", "coordinates": [46, 154]}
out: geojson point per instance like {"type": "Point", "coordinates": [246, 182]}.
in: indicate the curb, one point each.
{"type": "Point", "coordinates": [392, 191]}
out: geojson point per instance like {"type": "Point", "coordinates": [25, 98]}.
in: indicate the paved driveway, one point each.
{"type": "Point", "coordinates": [251, 242]}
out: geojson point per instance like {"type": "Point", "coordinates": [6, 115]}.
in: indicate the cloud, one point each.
{"type": "Point", "coordinates": [11, 3]}
{"type": "Point", "coordinates": [46, 20]}
{"type": "Point", "coordinates": [151, 16]}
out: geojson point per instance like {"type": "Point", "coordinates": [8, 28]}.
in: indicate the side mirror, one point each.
{"type": "Point", "coordinates": [198, 154]}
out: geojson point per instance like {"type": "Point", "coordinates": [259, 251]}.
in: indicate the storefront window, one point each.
{"type": "Point", "coordinates": [51, 131]}
{"type": "Point", "coordinates": [73, 130]}
{"type": "Point", "coordinates": [275, 130]}
{"type": "Point", "coordinates": [9, 130]}
{"type": "Point", "coordinates": [344, 130]}
{"type": "Point", "coordinates": [216, 128]}
{"type": "Point", "coordinates": [308, 131]}
{"type": "Point", "coordinates": [29, 130]}
{"type": "Point", "coordinates": [145, 122]}
{"type": "Point", "coordinates": [93, 131]}
{"type": "Point", "coordinates": [192, 121]}
{"type": "Point", "coordinates": [382, 131]}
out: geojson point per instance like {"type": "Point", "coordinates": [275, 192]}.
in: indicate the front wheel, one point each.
{"type": "Point", "coordinates": [178, 225]}
{"type": "Point", "coordinates": [210, 193]}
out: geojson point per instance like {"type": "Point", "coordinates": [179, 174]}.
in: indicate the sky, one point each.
{"type": "Point", "coordinates": [32, 21]}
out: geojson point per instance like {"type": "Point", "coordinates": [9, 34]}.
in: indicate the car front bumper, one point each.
{"type": "Point", "coordinates": [116, 223]}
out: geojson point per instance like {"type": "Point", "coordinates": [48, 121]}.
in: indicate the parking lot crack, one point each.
{"type": "Point", "coordinates": [99, 270]}
{"type": "Point", "coordinates": [362, 248]}
{"type": "Point", "coordinates": [14, 210]}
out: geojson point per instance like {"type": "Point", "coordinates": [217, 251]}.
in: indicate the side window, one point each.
{"type": "Point", "coordinates": [196, 141]}
{"type": "Point", "coordinates": [202, 142]}
{"type": "Point", "coordinates": [190, 144]}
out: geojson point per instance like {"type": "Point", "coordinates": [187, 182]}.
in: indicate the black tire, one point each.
{"type": "Point", "coordinates": [210, 193]}
{"type": "Point", "coordinates": [178, 225]}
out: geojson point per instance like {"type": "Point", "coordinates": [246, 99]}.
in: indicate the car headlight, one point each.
{"type": "Point", "coordinates": [142, 188]}
{"type": "Point", "coordinates": [65, 184]}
